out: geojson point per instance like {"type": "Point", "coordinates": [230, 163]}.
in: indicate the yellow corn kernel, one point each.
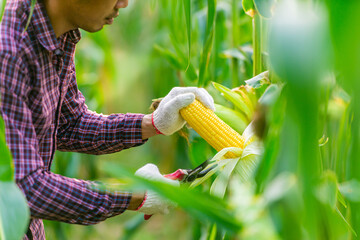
{"type": "Point", "coordinates": [210, 127]}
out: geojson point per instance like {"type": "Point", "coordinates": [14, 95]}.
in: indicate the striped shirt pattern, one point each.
{"type": "Point", "coordinates": [44, 111]}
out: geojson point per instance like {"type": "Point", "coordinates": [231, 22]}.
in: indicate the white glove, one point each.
{"type": "Point", "coordinates": [167, 118]}
{"type": "Point", "coordinates": [154, 203]}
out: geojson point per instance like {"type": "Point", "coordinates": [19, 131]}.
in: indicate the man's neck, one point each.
{"type": "Point", "coordinates": [58, 20]}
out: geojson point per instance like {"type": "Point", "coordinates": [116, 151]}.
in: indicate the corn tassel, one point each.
{"type": "Point", "coordinates": [210, 127]}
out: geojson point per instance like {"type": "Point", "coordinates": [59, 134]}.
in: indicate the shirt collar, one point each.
{"type": "Point", "coordinates": [45, 32]}
{"type": "Point", "coordinates": [75, 35]}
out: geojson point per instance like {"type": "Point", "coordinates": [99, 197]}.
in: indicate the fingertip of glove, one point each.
{"type": "Point", "coordinates": [185, 99]}
{"type": "Point", "coordinates": [147, 168]}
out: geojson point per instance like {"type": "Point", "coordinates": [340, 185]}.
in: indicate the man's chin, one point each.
{"type": "Point", "coordinates": [93, 29]}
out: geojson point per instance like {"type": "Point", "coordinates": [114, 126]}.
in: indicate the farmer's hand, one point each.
{"type": "Point", "coordinates": [167, 118]}
{"type": "Point", "coordinates": [153, 203]}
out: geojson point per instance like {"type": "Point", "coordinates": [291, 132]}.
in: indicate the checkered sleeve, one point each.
{"type": "Point", "coordinates": [49, 196]}
{"type": "Point", "coordinates": [81, 130]}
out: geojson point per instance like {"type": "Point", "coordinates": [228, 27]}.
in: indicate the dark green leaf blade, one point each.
{"type": "Point", "coordinates": [6, 163]}
{"type": "Point", "coordinates": [208, 43]}
{"type": "Point", "coordinates": [187, 7]}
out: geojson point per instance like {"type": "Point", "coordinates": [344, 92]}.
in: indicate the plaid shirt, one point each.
{"type": "Point", "coordinates": [44, 111]}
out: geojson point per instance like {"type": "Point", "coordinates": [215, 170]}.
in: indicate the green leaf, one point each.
{"type": "Point", "coordinates": [235, 53]}
{"type": "Point", "coordinates": [285, 184]}
{"type": "Point", "coordinates": [351, 190]}
{"type": "Point", "coordinates": [3, 4]}
{"type": "Point", "coordinates": [132, 226]}
{"type": "Point", "coordinates": [326, 192]}
{"type": "Point", "coordinates": [270, 95]}
{"type": "Point", "coordinates": [212, 232]}
{"type": "Point", "coordinates": [217, 163]}
{"type": "Point", "coordinates": [264, 7]}
{"type": "Point", "coordinates": [187, 7]}
{"type": "Point", "coordinates": [249, 7]}
{"type": "Point", "coordinates": [178, 59]}
{"type": "Point", "coordinates": [220, 65]}
{"type": "Point", "coordinates": [200, 205]}
{"type": "Point", "coordinates": [234, 98]}
{"type": "Point", "coordinates": [346, 222]}
{"type": "Point", "coordinates": [218, 188]}
{"type": "Point", "coordinates": [6, 163]}
{"type": "Point", "coordinates": [33, 2]}
{"type": "Point", "coordinates": [234, 119]}
{"type": "Point", "coordinates": [341, 199]}
{"type": "Point", "coordinates": [303, 32]}
{"type": "Point", "coordinates": [259, 80]}
{"type": "Point", "coordinates": [208, 43]}
{"type": "Point", "coordinates": [199, 149]}
{"type": "Point", "coordinates": [172, 58]}
{"type": "Point", "coordinates": [14, 212]}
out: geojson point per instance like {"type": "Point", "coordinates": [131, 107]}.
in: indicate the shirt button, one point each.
{"type": "Point", "coordinates": [58, 52]}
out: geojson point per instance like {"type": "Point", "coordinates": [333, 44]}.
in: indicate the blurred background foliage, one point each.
{"type": "Point", "coordinates": [299, 63]}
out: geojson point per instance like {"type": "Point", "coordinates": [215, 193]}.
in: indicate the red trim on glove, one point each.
{"type": "Point", "coordinates": [152, 122]}
{"type": "Point", "coordinates": [177, 175]}
{"type": "Point", "coordinates": [143, 202]}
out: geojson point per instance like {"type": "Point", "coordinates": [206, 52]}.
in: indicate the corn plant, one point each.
{"type": "Point", "coordinates": [300, 178]}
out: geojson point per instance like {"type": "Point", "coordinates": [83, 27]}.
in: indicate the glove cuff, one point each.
{"type": "Point", "coordinates": [143, 202]}
{"type": "Point", "coordinates": [152, 121]}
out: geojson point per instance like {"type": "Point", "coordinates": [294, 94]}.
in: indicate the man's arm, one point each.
{"type": "Point", "coordinates": [81, 130]}
{"type": "Point", "coordinates": [49, 196]}
{"type": "Point", "coordinates": [147, 128]}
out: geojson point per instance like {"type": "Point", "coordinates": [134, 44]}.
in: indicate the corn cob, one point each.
{"type": "Point", "coordinates": [210, 127]}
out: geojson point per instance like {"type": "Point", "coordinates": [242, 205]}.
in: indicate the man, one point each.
{"type": "Point", "coordinates": [44, 111]}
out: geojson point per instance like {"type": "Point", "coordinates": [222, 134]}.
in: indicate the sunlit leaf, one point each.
{"type": "Point", "coordinates": [246, 163]}
{"type": "Point", "coordinates": [3, 3]}
{"type": "Point", "coordinates": [249, 7]}
{"type": "Point", "coordinates": [217, 163]}
{"type": "Point", "coordinates": [218, 188]}
{"type": "Point", "coordinates": [234, 98]}
{"type": "Point", "coordinates": [323, 141]}
{"type": "Point", "coordinates": [259, 80]}
{"type": "Point", "coordinates": [33, 2]}
{"type": "Point", "coordinates": [6, 163]}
